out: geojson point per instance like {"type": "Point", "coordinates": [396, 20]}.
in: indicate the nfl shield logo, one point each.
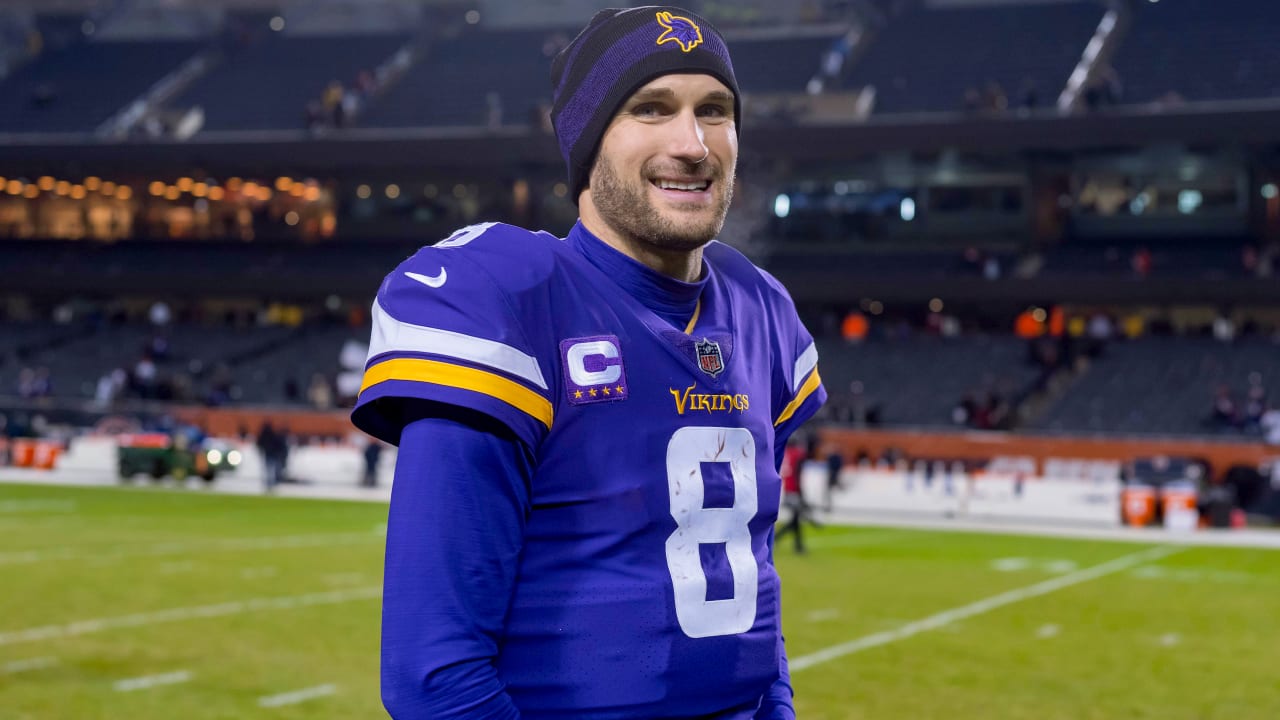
{"type": "Point", "coordinates": [709, 357]}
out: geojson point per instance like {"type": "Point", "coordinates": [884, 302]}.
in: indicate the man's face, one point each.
{"type": "Point", "coordinates": [647, 182]}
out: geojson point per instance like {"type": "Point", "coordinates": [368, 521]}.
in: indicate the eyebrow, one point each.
{"type": "Point", "coordinates": [662, 93]}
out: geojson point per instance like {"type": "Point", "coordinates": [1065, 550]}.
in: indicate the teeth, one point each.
{"type": "Point", "coordinates": [668, 185]}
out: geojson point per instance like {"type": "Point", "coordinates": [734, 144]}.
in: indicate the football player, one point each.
{"type": "Point", "coordinates": [590, 427]}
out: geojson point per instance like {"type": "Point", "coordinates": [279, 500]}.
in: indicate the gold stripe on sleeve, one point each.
{"type": "Point", "coordinates": [465, 378]}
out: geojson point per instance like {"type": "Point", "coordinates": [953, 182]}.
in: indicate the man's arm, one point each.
{"type": "Point", "coordinates": [454, 534]}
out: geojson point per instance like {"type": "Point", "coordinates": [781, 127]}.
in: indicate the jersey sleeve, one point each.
{"type": "Point", "coordinates": [445, 331]}
{"type": "Point", "coordinates": [798, 392]}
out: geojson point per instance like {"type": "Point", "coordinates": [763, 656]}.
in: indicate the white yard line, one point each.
{"type": "Point", "coordinates": [173, 548]}
{"type": "Point", "coordinates": [235, 607]}
{"type": "Point", "coordinates": [947, 617]}
{"type": "Point", "coordinates": [17, 666]}
{"type": "Point", "coordinates": [147, 682]}
{"type": "Point", "coordinates": [296, 696]}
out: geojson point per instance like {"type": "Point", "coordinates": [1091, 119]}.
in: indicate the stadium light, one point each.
{"type": "Point", "coordinates": [363, 192]}
{"type": "Point", "coordinates": [907, 209]}
{"type": "Point", "coordinates": [1269, 191]}
{"type": "Point", "coordinates": [1189, 201]}
{"type": "Point", "coordinates": [276, 23]}
{"type": "Point", "coordinates": [782, 205]}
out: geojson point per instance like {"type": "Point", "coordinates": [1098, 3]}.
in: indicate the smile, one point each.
{"type": "Point", "coordinates": [694, 186]}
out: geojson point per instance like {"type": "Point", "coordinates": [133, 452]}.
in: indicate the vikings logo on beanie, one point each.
{"type": "Point", "coordinates": [617, 53]}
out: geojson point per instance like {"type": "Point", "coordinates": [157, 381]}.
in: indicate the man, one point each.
{"type": "Point", "coordinates": [590, 428]}
{"type": "Point", "coordinates": [793, 459]}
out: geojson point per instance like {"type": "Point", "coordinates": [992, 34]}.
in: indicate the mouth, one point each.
{"type": "Point", "coordinates": [684, 190]}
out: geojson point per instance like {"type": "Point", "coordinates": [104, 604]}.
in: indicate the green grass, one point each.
{"type": "Point", "coordinates": [1194, 634]}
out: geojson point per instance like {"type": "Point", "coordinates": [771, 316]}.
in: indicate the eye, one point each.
{"type": "Point", "coordinates": [714, 111]}
{"type": "Point", "coordinates": [647, 110]}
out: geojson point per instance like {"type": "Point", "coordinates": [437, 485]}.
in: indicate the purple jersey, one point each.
{"type": "Point", "coordinates": [646, 586]}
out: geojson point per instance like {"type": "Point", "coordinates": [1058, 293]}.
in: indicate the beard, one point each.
{"type": "Point", "coordinates": [628, 208]}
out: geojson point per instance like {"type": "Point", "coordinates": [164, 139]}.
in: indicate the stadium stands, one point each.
{"type": "Point", "coordinates": [452, 84]}
{"type": "Point", "coordinates": [918, 381]}
{"type": "Point", "coordinates": [1199, 258]}
{"type": "Point", "coordinates": [1161, 385]}
{"type": "Point", "coordinates": [268, 83]}
{"type": "Point", "coordinates": [77, 88]}
{"type": "Point", "coordinates": [928, 57]}
{"type": "Point", "coordinates": [1200, 50]}
{"type": "Point", "coordinates": [782, 64]}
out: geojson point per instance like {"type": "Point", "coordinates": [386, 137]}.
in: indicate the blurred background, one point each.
{"type": "Point", "coordinates": [1036, 241]}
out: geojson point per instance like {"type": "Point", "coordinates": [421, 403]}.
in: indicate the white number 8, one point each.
{"type": "Point", "coordinates": [697, 525]}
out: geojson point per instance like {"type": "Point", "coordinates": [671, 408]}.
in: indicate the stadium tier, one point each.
{"type": "Point", "coordinates": [282, 75]}
{"type": "Point", "coordinates": [79, 87]}
{"type": "Point", "coordinates": [927, 58]}
{"type": "Point", "coordinates": [1200, 50]}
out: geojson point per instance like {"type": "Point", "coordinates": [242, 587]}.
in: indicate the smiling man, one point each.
{"type": "Point", "coordinates": [590, 429]}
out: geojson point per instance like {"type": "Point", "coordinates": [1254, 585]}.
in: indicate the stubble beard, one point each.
{"type": "Point", "coordinates": [628, 209]}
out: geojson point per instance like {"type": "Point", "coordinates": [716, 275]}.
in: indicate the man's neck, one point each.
{"type": "Point", "coordinates": [685, 266]}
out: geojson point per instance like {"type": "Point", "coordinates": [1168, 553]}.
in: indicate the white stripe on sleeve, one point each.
{"type": "Point", "coordinates": [392, 335]}
{"type": "Point", "coordinates": [807, 361]}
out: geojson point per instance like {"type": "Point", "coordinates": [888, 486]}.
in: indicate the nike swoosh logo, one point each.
{"type": "Point", "coordinates": [428, 280]}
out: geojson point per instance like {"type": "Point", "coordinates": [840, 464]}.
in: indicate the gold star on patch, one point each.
{"type": "Point", "coordinates": [592, 391]}
{"type": "Point", "coordinates": [619, 389]}
{"type": "Point", "coordinates": [606, 390]}
{"type": "Point", "coordinates": [577, 395]}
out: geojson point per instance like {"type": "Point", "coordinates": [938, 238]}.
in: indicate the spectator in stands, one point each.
{"type": "Point", "coordinates": [1224, 415]}
{"type": "Point", "coordinates": [994, 99]}
{"type": "Point", "coordinates": [319, 393]}
{"type": "Point", "coordinates": [493, 110]}
{"type": "Point", "coordinates": [331, 103]}
{"type": "Point", "coordinates": [26, 387]}
{"type": "Point", "coordinates": [292, 393]}
{"type": "Point", "coordinates": [1028, 96]}
{"type": "Point", "coordinates": [1104, 89]}
{"type": "Point", "coordinates": [964, 411]}
{"type": "Point", "coordinates": [144, 377]}
{"type": "Point", "coordinates": [110, 386]}
{"type": "Point", "coordinates": [221, 386]}
{"type": "Point", "coordinates": [1140, 262]}
{"type": "Point", "coordinates": [1270, 424]}
{"type": "Point", "coordinates": [1255, 403]}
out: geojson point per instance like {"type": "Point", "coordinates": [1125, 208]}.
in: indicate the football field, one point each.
{"type": "Point", "coordinates": [151, 604]}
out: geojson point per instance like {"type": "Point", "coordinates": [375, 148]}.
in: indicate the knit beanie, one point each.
{"type": "Point", "coordinates": [618, 52]}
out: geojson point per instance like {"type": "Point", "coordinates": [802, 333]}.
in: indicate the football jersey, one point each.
{"type": "Point", "coordinates": [645, 586]}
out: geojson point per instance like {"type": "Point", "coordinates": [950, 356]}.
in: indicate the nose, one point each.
{"type": "Point", "coordinates": [689, 140]}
